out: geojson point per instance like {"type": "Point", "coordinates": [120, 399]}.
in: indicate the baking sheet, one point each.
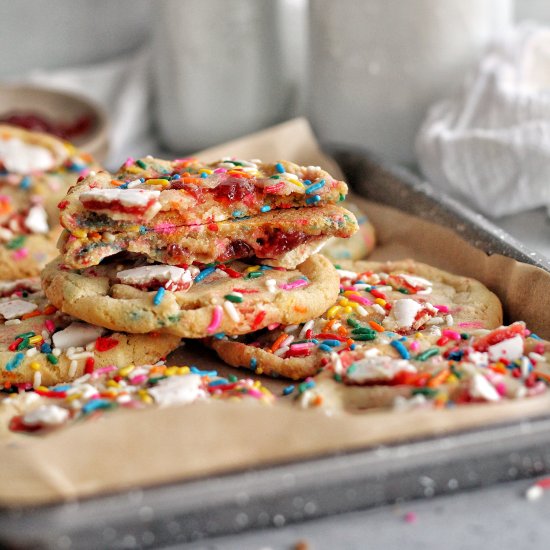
{"type": "Point", "coordinates": [128, 449]}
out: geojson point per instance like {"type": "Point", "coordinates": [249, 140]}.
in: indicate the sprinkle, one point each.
{"type": "Point", "coordinates": [204, 273]}
{"type": "Point", "coordinates": [265, 208]}
{"type": "Point", "coordinates": [141, 164]}
{"type": "Point", "coordinates": [15, 361]}
{"type": "Point", "coordinates": [324, 347]}
{"type": "Point", "coordinates": [231, 310]}
{"type": "Point", "coordinates": [37, 379]}
{"type": "Point", "coordinates": [234, 298]}
{"type": "Point", "coordinates": [299, 283]}
{"type": "Point", "coordinates": [52, 358]}
{"type": "Point", "coordinates": [159, 296]}
{"type": "Point", "coordinates": [105, 343]}
{"type": "Point", "coordinates": [401, 349]}
{"type": "Point", "coordinates": [50, 325]}
{"type": "Point", "coordinates": [258, 319]}
{"type": "Point", "coordinates": [425, 355]}
{"type": "Point", "coordinates": [45, 348]}
{"type": "Point", "coordinates": [313, 200]}
{"type": "Point", "coordinates": [25, 182]}
{"type": "Point", "coordinates": [280, 168]}
{"type": "Point", "coordinates": [288, 389]}
{"type": "Point", "coordinates": [315, 187]}
{"type": "Point", "coordinates": [253, 363]}
{"type": "Point", "coordinates": [89, 365]}
{"type": "Point", "coordinates": [216, 321]}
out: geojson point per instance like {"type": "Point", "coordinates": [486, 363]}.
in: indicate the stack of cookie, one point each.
{"type": "Point", "coordinates": [194, 250]}
{"type": "Point", "coordinates": [38, 344]}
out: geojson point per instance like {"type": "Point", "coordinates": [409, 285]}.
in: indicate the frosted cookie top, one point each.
{"type": "Point", "coordinates": [189, 192]}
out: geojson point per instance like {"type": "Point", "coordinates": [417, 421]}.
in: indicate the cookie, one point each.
{"type": "Point", "coordinates": [356, 247]}
{"type": "Point", "coordinates": [126, 386]}
{"type": "Point", "coordinates": [150, 191]}
{"type": "Point", "coordinates": [234, 299]}
{"type": "Point", "coordinates": [404, 306]}
{"type": "Point", "coordinates": [285, 237]}
{"type": "Point", "coordinates": [36, 171]}
{"type": "Point", "coordinates": [476, 366]}
{"type": "Point", "coordinates": [42, 346]}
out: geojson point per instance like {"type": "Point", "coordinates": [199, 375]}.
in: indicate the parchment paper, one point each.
{"type": "Point", "coordinates": [127, 449]}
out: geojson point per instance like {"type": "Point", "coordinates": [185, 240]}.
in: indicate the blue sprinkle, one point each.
{"type": "Point", "coordinates": [280, 168]}
{"type": "Point", "coordinates": [25, 183]}
{"type": "Point", "coordinates": [315, 187]}
{"type": "Point", "coordinates": [159, 296]}
{"type": "Point", "coordinates": [534, 336]}
{"type": "Point", "coordinates": [332, 343]}
{"type": "Point", "coordinates": [401, 349]}
{"type": "Point", "coordinates": [352, 347]}
{"type": "Point", "coordinates": [204, 273]}
{"type": "Point", "coordinates": [204, 175]}
{"type": "Point", "coordinates": [75, 167]}
{"type": "Point", "coordinates": [307, 182]}
{"type": "Point", "coordinates": [253, 363]}
{"type": "Point", "coordinates": [265, 208]}
{"type": "Point", "coordinates": [265, 267]}
{"type": "Point", "coordinates": [324, 347]}
{"type": "Point", "coordinates": [237, 213]}
{"type": "Point", "coordinates": [313, 200]}
{"type": "Point", "coordinates": [62, 388]}
{"type": "Point", "coordinates": [45, 348]}
{"type": "Point", "coordinates": [220, 382]}
{"type": "Point", "coordinates": [123, 186]}
{"type": "Point", "coordinates": [15, 361]}
{"type": "Point", "coordinates": [175, 177]}
{"type": "Point", "coordinates": [219, 335]}
{"type": "Point", "coordinates": [195, 370]}
{"type": "Point", "coordinates": [142, 230]}
{"type": "Point", "coordinates": [289, 389]}
{"type": "Point", "coordinates": [95, 404]}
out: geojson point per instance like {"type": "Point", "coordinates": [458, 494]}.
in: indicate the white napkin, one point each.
{"type": "Point", "coordinates": [490, 144]}
{"type": "Point", "coordinates": [122, 86]}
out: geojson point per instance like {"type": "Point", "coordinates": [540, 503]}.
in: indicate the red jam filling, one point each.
{"type": "Point", "coordinates": [498, 335]}
{"type": "Point", "coordinates": [233, 190]}
{"type": "Point", "coordinates": [278, 242]}
{"type": "Point", "coordinates": [39, 123]}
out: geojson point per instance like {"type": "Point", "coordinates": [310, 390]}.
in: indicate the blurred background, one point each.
{"type": "Point", "coordinates": [456, 89]}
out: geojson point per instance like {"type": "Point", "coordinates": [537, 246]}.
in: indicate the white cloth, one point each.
{"type": "Point", "coordinates": [123, 88]}
{"type": "Point", "coordinates": [490, 145]}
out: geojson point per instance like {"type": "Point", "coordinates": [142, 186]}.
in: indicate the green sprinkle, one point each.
{"type": "Point", "coordinates": [403, 290]}
{"type": "Point", "coordinates": [428, 392]}
{"type": "Point", "coordinates": [353, 322]}
{"type": "Point", "coordinates": [233, 298]}
{"type": "Point", "coordinates": [352, 368]}
{"type": "Point", "coordinates": [364, 337]}
{"type": "Point", "coordinates": [427, 354]}
{"type": "Point", "coordinates": [254, 275]}
{"type": "Point", "coordinates": [52, 358]}
{"type": "Point", "coordinates": [16, 243]}
{"type": "Point", "coordinates": [233, 378]}
{"type": "Point", "coordinates": [141, 164]}
{"type": "Point", "coordinates": [341, 198]}
{"type": "Point", "coordinates": [363, 330]}
{"type": "Point", "coordinates": [23, 345]}
{"type": "Point", "coordinates": [338, 377]}
{"type": "Point", "coordinates": [24, 335]}
{"type": "Point", "coordinates": [455, 372]}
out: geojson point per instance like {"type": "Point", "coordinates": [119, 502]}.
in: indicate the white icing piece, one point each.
{"type": "Point", "coordinates": [404, 312]}
{"type": "Point", "coordinates": [76, 334]}
{"type": "Point", "coordinates": [178, 390]}
{"type": "Point", "coordinates": [23, 158]}
{"type": "Point", "coordinates": [510, 349]}
{"type": "Point", "coordinates": [126, 197]}
{"type": "Point", "coordinates": [37, 220]}
{"type": "Point", "coordinates": [8, 286]}
{"type": "Point", "coordinates": [161, 273]}
{"type": "Point", "coordinates": [46, 415]}
{"type": "Point", "coordinates": [15, 308]}
{"type": "Point", "coordinates": [346, 274]}
{"type": "Point", "coordinates": [481, 387]}
{"type": "Point", "coordinates": [377, 368]}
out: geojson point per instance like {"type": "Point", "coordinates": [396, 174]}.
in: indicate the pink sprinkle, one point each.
{"type": "Point", "coordinates": [303, 345]}
{"type": "Point", "coordinates": [138, 379]}
{"type": "Point", "coordinates": [359, 299]}
{"type": "Point", "coordinates": [539, 348]}
{"type": "Point", "coordinates": [299, 283]}
{"type": "Point", "coordinates": [501, 388]}
{"type": "Point", "coordinates": [410, 517]}
{"type": "Point", "coordinates": [452, 334]}
{"type": "Point", "coordinates": [129, 162]}
{"type": "Point", "coordinates": [216, 320]}
{"type": "Point", "coordinates": [442, 308]}
{"type": "Point", "coordinates": [164, 227]}
{"type": "Point", "coordinates": [50, 325]}
{"type": "Point", "coordinates": [254, 393]}
{"type": "Point", "coordinates": [471, 324]}
{"type": "Point", "coordinates": [414, 345]}
{"type": "Point", "coordinates": [21, 253]}
{"type": "Point", "coordinates": [220, 170]}
{"type": "Point", "coordinates": [273, 326]}
{"type": "Point", "coordinates": [84, 172]}
{"type": "Point", "coordinates": [103, 370]}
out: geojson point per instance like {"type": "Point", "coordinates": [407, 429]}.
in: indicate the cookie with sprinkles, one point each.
{"type": "Point", "coordinates": [404, 306]}
{"type": "Point", "coordinates": [126, 386]}
{"type": "Point", "coordinates": [356, 247]}
{"type": "Point", "coordinates": [194, 302]}
{"type": "Point", "coordinates": [40, 345]}
{"type": "Point", "coordinates": [36, 171]}
{"type": "Point", "coordinates": [282, 238]}
{"type": "Point", "coordinates": [474, 366]}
